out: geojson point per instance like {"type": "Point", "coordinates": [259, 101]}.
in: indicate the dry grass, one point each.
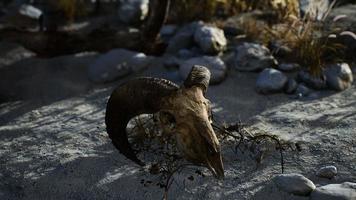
{"type": "Point", "coordinates": [313, 42]}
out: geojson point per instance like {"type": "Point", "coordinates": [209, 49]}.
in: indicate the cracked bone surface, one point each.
{"type": "Point", "coordinates": [187, 106]}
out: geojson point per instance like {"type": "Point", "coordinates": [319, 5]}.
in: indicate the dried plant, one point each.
{"type": "Point", "coordinates": [314, 42]}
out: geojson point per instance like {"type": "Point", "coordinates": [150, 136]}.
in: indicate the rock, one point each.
{"type": "Point", "coordinates": [291, 86]}
{"type": "Point", "coordinates": [311, 81]}
{"type": "Point", "coordinates": [171, 62]}
{"type": "Point", "coordinates": [288, 67]}
{"type": "Point", "coordinates": [115, 64]}
{"type": "Point", "coordinates": [186, 54]}
{"type": "Point", "coordinates": [279, 49]}
{"type": "Point", "coordinates": [184, 38]}
{"type": "Point", "coordinates": [316, 9]}
{"type": "Point", "coordinates": [343, 191]}
{"type": "Point", "coordinates": [216, 66]}
{"type": "Point", "coordinates": [210, 39]}
{"type": "Point", "coordinates": [253, 57]}
{"type": "Point", "coordinates": [11, 53]}
{"type": "Point", "coordinates": [232, 31]}
{"type": "Point", "coordinates": [168, 30]}
{"type": "Point", "coordinates": [30, 11]}
{"type": "Point", "coordinates": [327, 172]}
{"type": "Point", "coordinates": [302, 91]}
{"type": "Point", "coordinates": [339, 76]}
{"type": "Point", "coordinates": [132, 11]}
{"type": "Point", "coordinates": [270, 81]}
{"type": "Point", "coordinates": [294, 183]}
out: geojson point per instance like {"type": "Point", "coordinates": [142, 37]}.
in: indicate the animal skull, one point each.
{"type": "Point", "coordinates": [186, 106]}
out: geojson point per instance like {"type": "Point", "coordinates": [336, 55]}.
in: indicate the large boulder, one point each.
{"type": "Point", "coordinates": [343, 191]}
{"type": "Point", "coordinates": [184, 38]}
{"type": "Point", "coordinates": [132, 11]}
{"type": "Point", "coordinates": [210, 39]}
{"type": "Point", "coordinates": [216, 66]}
{"type": "Point", "coordinates": [339, 76]}
{"type": "Point", "coordinates": [294, 183]}
{"type": "Point", "coordinates": [115, 64]}
{"type": "Point", "coordinates": [271, 81]}
{"type": "Point", "coordinates": [253, 57]}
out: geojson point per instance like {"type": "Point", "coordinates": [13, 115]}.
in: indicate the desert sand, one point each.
{"type": "Point", "coordinates": [53, 143]}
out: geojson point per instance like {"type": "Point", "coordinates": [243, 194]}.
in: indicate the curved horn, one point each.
{"type": "Point", "coordinates": [199, 75]}
{"type": "Point", "coordinates": [139, 96]}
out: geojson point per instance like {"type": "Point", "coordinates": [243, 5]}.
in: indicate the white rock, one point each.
{"type": "Point", "coordinates": [253, 57]}
{"type": "Point", "coordinates": [210, 39]}
{"type": "Point", "coordinates": [131, 11]}
{"type": "Point", "coordinates": [115, 64]}
{"type": "Point", "coordinates": [327, 172]}
{"type": "Point", "coordinates": [214, 64]}
{"type": "Point", "coordinates": [270, 81]}
{"type": "Point", "coordinates": [30, 11]}
{"type": "Point", "coordinates": [339, 76]}
{"type": "Point", "coordinates": [343, 191]}
{"type": "Point", "coordinates": [294, 183]}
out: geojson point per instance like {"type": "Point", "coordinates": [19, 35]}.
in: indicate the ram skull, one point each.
{"type": "Point", "coordinates": [185, 105]}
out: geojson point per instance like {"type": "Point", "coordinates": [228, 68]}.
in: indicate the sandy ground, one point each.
{"type": "Point", "coordinates": [53, 143]}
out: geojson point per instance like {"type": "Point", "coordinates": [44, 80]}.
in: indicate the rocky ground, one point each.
{"type": "Point", "coordinates": [53, 142]}
{"type": "Point", "coordinates": [54, 145]}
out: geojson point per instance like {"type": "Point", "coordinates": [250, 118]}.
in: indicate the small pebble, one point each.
{"type": "Point", "coordinates": [327, 172]}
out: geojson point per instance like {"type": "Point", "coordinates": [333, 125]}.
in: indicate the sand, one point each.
{"type": "Point", "coordinates": [53, 143]}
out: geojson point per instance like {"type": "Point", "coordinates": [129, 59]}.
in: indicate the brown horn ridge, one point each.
{"type": "Point", "coordinates": [138, 96]}
{"type": "Point", "coordinates": [199, 75]}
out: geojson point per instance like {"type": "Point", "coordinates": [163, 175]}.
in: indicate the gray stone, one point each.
{"type": "Point", "coordinates": [253, 57]}
{"type": "Point", "coordinates": [210, 39]}
{"type": "Point", "coordinates": [279, 49]}
{"type": "Point", "coordinates": [270, 81]}
{"type": "Point", "coordinates": [216, 66]}
{"type": "Point", "coordinates": [168, 30]}
{"type": "Point", "coordinates": [131, 11]}
{"type": "Point", "coordinates": [312, 81]}
{"type": "Point", "coordinates": [184, 38]}
{"type": "Point", "coordinates": [327, 172]}
{"type": "Point", "coordinates": [115, 64]}
{"type": "Point", "coordinates": [294, 183]}
{"type": "Point", "coordinates": [339, 76]}
{"type": "Point", "coordinates": [30, 11]}
{"type": "Point", "coordinates": [302, 90]}
{"type": "Point", "coordinates": [11, 53]}
{"type": "Point", "coordinates": [186, 54]}
{"type": "Point", "coordinates": [343, 191]}
{"type": "Point", "coordinates": [291, 86]}
{"type": "Point", "coordinates": [316, 9]}
{"type": "Point", "coordinates": [171, 62]}
{"type": "Point", "coordinates": [289, 67]}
